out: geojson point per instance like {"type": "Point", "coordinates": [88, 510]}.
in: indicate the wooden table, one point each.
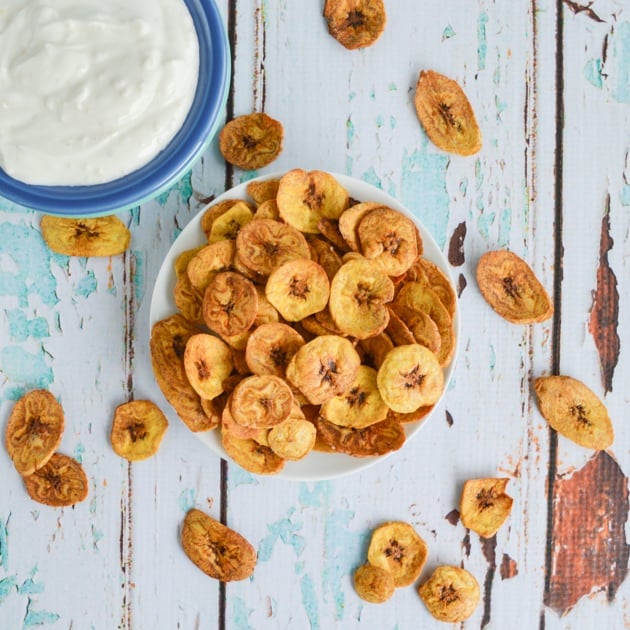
{"type": "Point", "coordinates": [550, 83]}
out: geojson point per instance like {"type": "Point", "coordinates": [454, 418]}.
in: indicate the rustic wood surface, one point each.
{"type": "Point", "coordinates": [550, 82]}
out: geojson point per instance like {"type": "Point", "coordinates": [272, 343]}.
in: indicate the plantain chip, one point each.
{"type": "Point", "coordinates": [574, 411]}
{"type": "Point", "coordinates": [103, 236]}
{"type": "Point", "coordinates": [137, 430]}
{"type": "Point", "coordinates": [430, 275]}
{"type": "Point", "coordinates": [451, 594]}
{"type": "Point", "coordinates": [373, 584]}
{"type": "Point", "coordinates": [374, 349]}
{"type": "Point", "coordinates": [207, 362]}
{"type": "Point", "coordinates": [188, 300]}
{"type": "Point", "coordinates": [262, 191]}
{"type": "Point", "coordinates": [208, 261]}
{"type": "Point", "coordinates": [355, 23]}
{"type": "Point", "coordinates": [34, 430]}
{"type": "Point", "coordinates": [60, 482]}
{"type": "Point", "coordinates": [270, 347]}
{"type": "Point", "coordinates": [509, 285]}
{"type": "Point", "coordinates": [251, 455]}
{"type": "Point", "coordinates": [217, 550]}
{"type": "Point", "coordinates": [230, 222]}
{"type": "Point", "coordinates": [324, 254]}
{"type": "Point", "coordinates": [261, 401]}
{"type": "Point", "coordinates": [214, 211]}
{"type": "Point", "coordinates": [251, 141]}
{"type": "Point", "coordinates": [446, 114]}
{"type": "Point", "coordinates": [484, 505]}
{"type": "Point", "coordinates": [396, 547]}
{"type": "Point", "coordinates": [350, 219]}
{"type": "Point", "coordinates": [293, 439]}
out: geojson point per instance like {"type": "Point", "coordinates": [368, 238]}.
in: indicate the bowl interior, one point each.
{"type": "Point", "coordinates": [172, 162]}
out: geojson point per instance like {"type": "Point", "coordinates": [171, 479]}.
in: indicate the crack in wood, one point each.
{"type": "Point", "coordinates": [489, 549]}
{"type": "Point", "coordinates": [583, 8]}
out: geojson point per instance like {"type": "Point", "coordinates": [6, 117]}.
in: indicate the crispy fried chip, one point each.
{"type": "Point", "coordinates": [323, 368]}
{"type": "Point", "coordinates": [294, 439]}
{"type": "Point", "coordinates": [446, 114]}
{"type": "Point", "coordinates": [359, 293]}
{"type": "Point", "coordinates": [410, 377]}
{"type": "Point", "coordinates": [451, 594]}
{"type": "Point", "coordinates": [251, 141]}
{"type": "Point", "coordinates": [330, 231]}
{"type": "Point", "coordinates": [430, 275]}
{"type": "Point", "coordinates": [137, 429]}
{"type": "Point", "coordinates": [509, 285]}
{"type": "Point", "coordinates": [230, 304]}
{"type": "Point", "coordinates": [181, 262]}
{"type": "Point", "coordinates": [238, 430]}
{"type": "Point", "coordinates": [374, 350]}
{"type": "Point", "coordinates": [60, 482]}
{"type": "Point", "coordinates": [396, 547]}
{"type": "Point", "coordinates": [34, 430]}
{"type": "Point", "coordinates": [574, 411]}
{"type": "Point", "coordinates": [229, 223]}
{"type": "Point", "coordinates": [261, 401]}
{"type": "Point", "coordinates": [262, 191]}
{"type": "Point", "coordinates": [209, 261]}
{"type": "Point", "coordinates": [251, 455]}
{"type": "Point", "coordinates": [217, 550]}
{"type": "Point", "coordinates": [377, 439]}
{"type": "Point", "coordinates": [188, 300]}
{"type": "Point", "coordinates": [360, 406]}
{"type": "Point", "coordinates": [484, 505]}
{"type": "Point", "coordinates": [324, 254]}
{"type": "Point", "coordinates": [350, 219]}
{"type": "Point", "coordinates": [306, 197]}
{"type": "Point", "coordinates": [103, 236]}
{"type": "Point", "coordinates": [298, 288]}
{"type": "Point", "coordinates": [214, 211]}
{"type": "Point", "coordinates": [373, 584]}
{"type": "Point", "coordinates": [207, 362]}
{"type": "Point", "coordinates": [270, 347]}
{"type": "Point", "coordinates": [168, 344]}
{"type": "Point", "coordinates": [422, 328]}
{"type": "Point", "coordinates": [355, 23]}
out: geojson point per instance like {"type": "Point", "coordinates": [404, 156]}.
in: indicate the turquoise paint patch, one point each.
{"type": "Point", "coordinates": [183, 188]}
{"type": "Point", "coordinates": [97, 535]}
{"type": "Point", "coordinates": [373, 94]}
{"type": "Point", "coordinates": [351, 96]}
{"type": "Point", "coordinates": [463, 186]}
{"type": "Point", "coordinates": [21, 328]}
{"type": "Point", "coordinates": [23, 367]}
{"type": "Point", "coordinates": [625, 195]}
{"type": "Point", "coordinates": [423, 190]}
{"type": "Point", "coordinates": [285, 530]}
{"type": "Point", "coordinates": [240, 614]}
{"type": "Point", "coordinates": [79, 449]}
{"type": "Point", "coordinates": [593, 72]}
{"type": "Point", "coordinates": [187, 499]}
{"type": "Point", "coordinates": [493, 358]}
{"type": "Point", "coordinates": [484, 222]}
{"type": "Point", "coordinates": [313, 498]}
{"type": "Point", "coordinates": [134, 214]}
{"type": "Point", "coordinates": [86, 285]}
{"type": "Point", "coordinates": [139, 284]}
{"type": "Point", "coordinates": [247, 176]}
{"type": "Point", "coordinates": [392, 87]}
{"type": "Point", "coordinates": [29, 586]}
{"type": "Point", "coordinates": [482, 44]}
{"type": "Point", "coordinates": [31, 258]}
{"type": "Point", "coordinates": [240, 477]}
{"type": "Point", "coordinates": [619, 45]}
{"type": "Point", "coordinates": [448, 32]}
{"type": "Point", "coordinates": [371, 177]}
{"type": "Point", "coordinates": [350, 132]}
{"type": "Point", "coordinates": [499, 105]}
{"type": "Point", "coordinates": [37, 617]}
{"type": "Point", "coordinates": [349, 164]}
{"type": "Point", "coordinates": [505, 225]}
{"type": "Point", "coordinates": [309, 601]}
{"type": "Point", "coordinates": [380, 121]}
{"type": "Point", "coordinates": [392, 122]}
{"type": "Point", "coordinates": [7, 586]}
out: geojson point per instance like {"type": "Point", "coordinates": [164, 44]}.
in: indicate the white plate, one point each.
{"type": "Point", "coordinates": [316, 466]}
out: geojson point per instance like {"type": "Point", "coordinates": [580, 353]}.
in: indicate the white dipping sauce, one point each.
{"type": "Point", "coordinates": [91, 90]}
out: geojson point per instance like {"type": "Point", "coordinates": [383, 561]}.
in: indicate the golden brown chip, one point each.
{"type": "Point", "coordinates": [306, 197]}
{"type": "Point", "coordinates": [509, 285]}
{"type": "Point", "coordinates": [574, 411]}
{"type": "Point", "coordinates": [373, 584]}
{"type": "Point", "coordinates": [422, 328]}
{"type": "Point", "coordinates": [484, 505]}
{"type": "Point", "coordinates": [410, 377]}
{"type": "Point", "coordinates": [251, 141]}
{"type": "Point", "coordinates": [355, 23]}
{"type": "Point", "coordinates": [398, 330]}
{"type": "Point", "coordinates": [103, 236]}
{"type": "Point", "coordinates": [34, 430]}
{"type": "Point", "coordinates": [262, 190]}
{"type": "Point", "coordinates": [217, 550]}
{"type": "Point", "coordinates": [360, 406]}
{"type": "Point", "coordinates": [60, 482]}
{"type": "Point", "coordinates": [330, 230]}
{"type": "Point", "coordinates": [137, 430]}
{"type": "Point", "coordinates": [298, 288]}
{"type": "Point", "coordinates": [267, 312]}
{"type": "Point", "coordinates": [265, 244]}
{"type": "Point", "coordinates": [377, 439]}
{"type": "Point", "coordinates": [207, 362]}
{"type": "Point", "coordinates": [413, 416]}
{"type": "Point", "coordinates": [181, 262]}
{"type": "Point", "coordinates": [388, 238]}
{"type": "Point", "coordinates": [251, 455]}
{"type": "Point", "coordinates": [349, 221]}
{"type": "Point", "coordinates": [267, 210]}
{"type": "Point", "coordinates": [396, 547]}
{"type": "Point", "coordinates": [209, 261]}
{"type": "Point", "coordinates": [238, 430]}
{"type": "Point", "coordinates": [294, 439]}
{"type": "Point", "coordinates": [359, 293]}
{"type": "Point", "coordinates": [374, 350]}
{"type": "Point", "coordinates": [230, 304]}
{"type": "Point", "coordinates": [229, 223]}
{"type": "Point", "coordinates": [188, 300]}
{"type": "Point", "coordinates": [451, 594]}
{"type": "Point", "coordinates": [325, 255]}
{"type": "Point", "coordinates": [446, 114]}
{"type": "Point", "coordinates": [214, 211]}
{"type": "Point", "coordinates": [430, 275]}
{"type": "Point", "coordinates": [261, 401]}
{"type": "Point", "coordinates": [323, 368]}
{"type": "Point", "coordinates": [270, 347]}
{"type": "Point", "coordinates": [168, 344]}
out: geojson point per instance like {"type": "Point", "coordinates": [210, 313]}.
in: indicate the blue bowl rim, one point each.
{"type": "Point", "coordinates": [172, 163]}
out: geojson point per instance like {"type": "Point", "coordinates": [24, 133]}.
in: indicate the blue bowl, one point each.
{"type": "Point", "coordinates": [172, 163]}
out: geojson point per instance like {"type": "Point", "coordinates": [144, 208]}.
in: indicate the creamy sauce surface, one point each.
{"type": "Point", "coordinates": [91, 90]}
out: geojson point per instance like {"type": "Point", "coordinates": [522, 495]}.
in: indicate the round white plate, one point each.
{"type": "Point", "coordinates": [316, 466]}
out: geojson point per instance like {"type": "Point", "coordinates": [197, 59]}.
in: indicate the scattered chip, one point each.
{"type": "Point", "coordinates": [103, 236]}
{"type": "Point", "coordinates": [355, 23]}
{"type": "Point", "coordinates": [137, 430]}
{"type": "Point", "coordinates": [60, 482]}
{"type": "Point", "coordinates": [396, 547]}
{"type": "Point", "coordinates": [34, 430]}
{"type": "Point", "coordinates": [373, 584]}
{"type": "Point", "coordinates": [446, 114]}
{"type": "Point", "coordinates": [484, 505]}
{"type": "Point", "coordinates": [251, 141]}
{"type": "Point", "coordinates": [451, 594]}
{"type": "Point", "coordinates": [217, 550]}
{"type": "Point", "coordinates": [574, 411]}
{"type": "Point", "coordinates": [511, 288]}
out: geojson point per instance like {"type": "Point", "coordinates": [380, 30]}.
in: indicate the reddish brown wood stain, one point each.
{"type": "Point", "coordinates": [605, 310]}
{"type": "Point", "coordinates": [589, 547]}
{"type": "Point", "coordinates": [508, 568]}
{"type": "Point", "coordinates": [456, 245]}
